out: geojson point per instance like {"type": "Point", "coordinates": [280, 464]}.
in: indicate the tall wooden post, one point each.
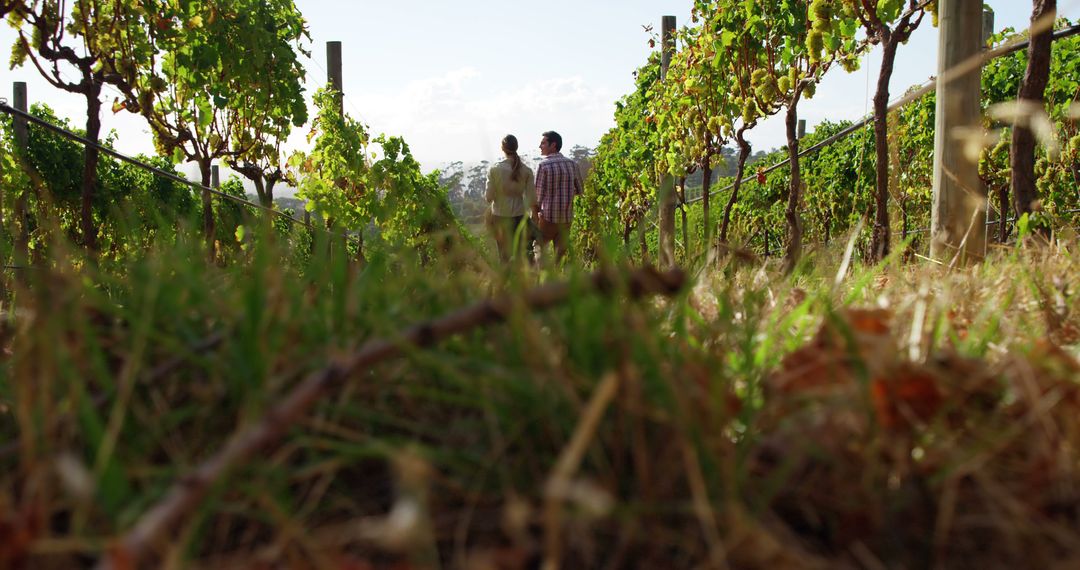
{"type": "Point", "coordinates": [987, 26]}
{"type": "Point", "coordinates": [22, 134]}
{"type": "Point", "coordinates": [209, 217]}
{"type": "Point", "coordinates": [333, 72]}
{"type": "Point", "coordinates": [666, 194]}
{"type": "Point", "coordinates": [958, 215]}
{"type": "Point", "coordinates": [333, 79]}
{"type": "Point", "coordinates": [802, 128]}
{"type": "Point", "coordinates": [643, 243]}
{"type": "Point", "coordinates": [22, 146]}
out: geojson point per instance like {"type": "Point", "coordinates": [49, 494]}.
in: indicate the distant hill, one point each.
{"type": "Point", "coordinates": [191, 172]}
{"type": "Point", "coordinates": [286, 203]}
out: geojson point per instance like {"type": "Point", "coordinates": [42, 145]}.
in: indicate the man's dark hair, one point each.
{"type": "Point", "coordinates": [554, 137]}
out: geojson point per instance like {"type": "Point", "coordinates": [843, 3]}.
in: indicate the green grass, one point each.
{"type": "Point", "coordinates": [118, 378]}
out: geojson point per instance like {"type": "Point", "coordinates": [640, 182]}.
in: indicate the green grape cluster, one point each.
{"type": "Point", "coordinates": [848, 9]}
{"type": "Point", "coordinates": [749, 111]}
{"type": "Point", "coordinates": [820, 10]}
{"type": "Point", "coordinates": [789, 81]}
{"type": "Point", "coordinates": [933, 9]}
{"type": "Point", "coordinates": [850, 63]}
{"type": "Point", "coordinates": [765, 85]}
{"type": "Point", "coordinates": [714, 124]}
{"type": "Point", "coordinates": [815, 44]}
{"type": "Point", "coordinates": [993, 163]}
{"type": "Point", "coordinates": [1042, 165]}
{"type": "Point", "coordinates": [821, 18]}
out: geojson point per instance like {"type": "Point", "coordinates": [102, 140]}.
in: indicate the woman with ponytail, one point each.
{"type": "Point", "coordinates": [511, 191]}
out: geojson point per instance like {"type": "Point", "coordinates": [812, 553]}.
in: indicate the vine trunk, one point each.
{"type": "Point", "coordinates": [1032, 89]}
{"type": "Point", "coordinates": [794, 248]}
{"type": "Point", "coordinates": [744, 153]}
{"type": "Point", "coordinates": [91, 157]}
{"type": "Point", "coordinates": [706, 184]}
{"type": "Point", "coordinates": [881, 244]}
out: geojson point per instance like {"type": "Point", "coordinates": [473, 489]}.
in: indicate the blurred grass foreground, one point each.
{"type": "Point", "coordinates": [302, 411]}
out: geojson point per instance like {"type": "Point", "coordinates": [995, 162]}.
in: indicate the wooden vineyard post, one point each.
{"type": "Point", "coordinates": [333, 72]}
{"type": "Point", "coordinates": [802, 128]}
{"type": "Point", "coordinates": [22, 134]}
{"type": "Point", "coordinates": [334, 80]}
{"type": "Point", "coordinates": [208, 215]}
{"type": "Point", "coordinates": [643, 242]}
{"type": "Point", "coordinates": [958, 214]}
{"type": "Point", "coordinates": [22, 147]}
{"type": "Point", "coordinates": [666, 193]}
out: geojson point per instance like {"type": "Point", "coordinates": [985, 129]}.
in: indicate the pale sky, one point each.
{"type": "Point", "coordinates": [454, 77]}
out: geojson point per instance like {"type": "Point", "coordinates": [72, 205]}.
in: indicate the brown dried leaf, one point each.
{"type": "Point", "coordinates": [855, 335]}
{"type": "Point", "coordinates": [909, 393]}
{"type": "Point", "coordinates": [18, 531]}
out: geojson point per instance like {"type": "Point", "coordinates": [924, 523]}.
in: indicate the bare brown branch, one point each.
{"type": "Point", "coordinates": [188, 493]}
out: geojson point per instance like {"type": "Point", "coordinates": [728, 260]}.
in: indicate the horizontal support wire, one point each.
{"type": "Point", "coordinates": [914, 95]}
{"type": "Point", "coordinates": [5, 108]}
{"type": "Point", "coordinates": [988, 224]}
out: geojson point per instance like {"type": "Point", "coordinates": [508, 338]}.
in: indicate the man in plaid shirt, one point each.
{"type": "Point", "coordinates": [558, 180]}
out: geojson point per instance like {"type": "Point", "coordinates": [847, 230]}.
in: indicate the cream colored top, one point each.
{"type": "Point", "coordinates": [507, 197]}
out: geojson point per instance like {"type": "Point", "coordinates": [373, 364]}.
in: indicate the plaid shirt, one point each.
{"type": "Point", "coordinates": [557, 182]}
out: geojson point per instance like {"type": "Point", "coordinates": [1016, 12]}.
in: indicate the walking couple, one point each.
{"type": "Point", "coordinates": [525, 209]}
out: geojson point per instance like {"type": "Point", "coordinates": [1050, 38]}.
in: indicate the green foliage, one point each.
{"type": "Point", "coordinates": [177, 65]}
{"type": "Point", "coordinates": [10, 6]}
{"type": "Point", "coordinates": [754, 77]}
{"type": "Point", "coordinates": [204, 99]}
{"type": "Point", "coordinates": [1058, 175]}
{"type": "Point", "coordinates": [57, 160]}
{"type": "Point", "coordinates": [621, 188]}
{"type": "Point", "coordinates": [14, 181]}
{"type": "Point", "coordinates": [333, 176]}
{"type": "Point", "coordinates": [406, 208]}
{"type": "Point", "coordinates": [692, 107]}
{"type": "Point", "coordinates": [839, 181]}
{"type": "Point", "coordinates": [130, 201]}
{"type": "Point", "coordinates": [231, 215]}
{"type": "Point", "coordinates": [913, 132]}
{"type": "Point", "coordinates": [53, 39]}
{"type": "Point", "coordinates": [414, 212]}
{"type": "Point", "coordinates": [799, 40]}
